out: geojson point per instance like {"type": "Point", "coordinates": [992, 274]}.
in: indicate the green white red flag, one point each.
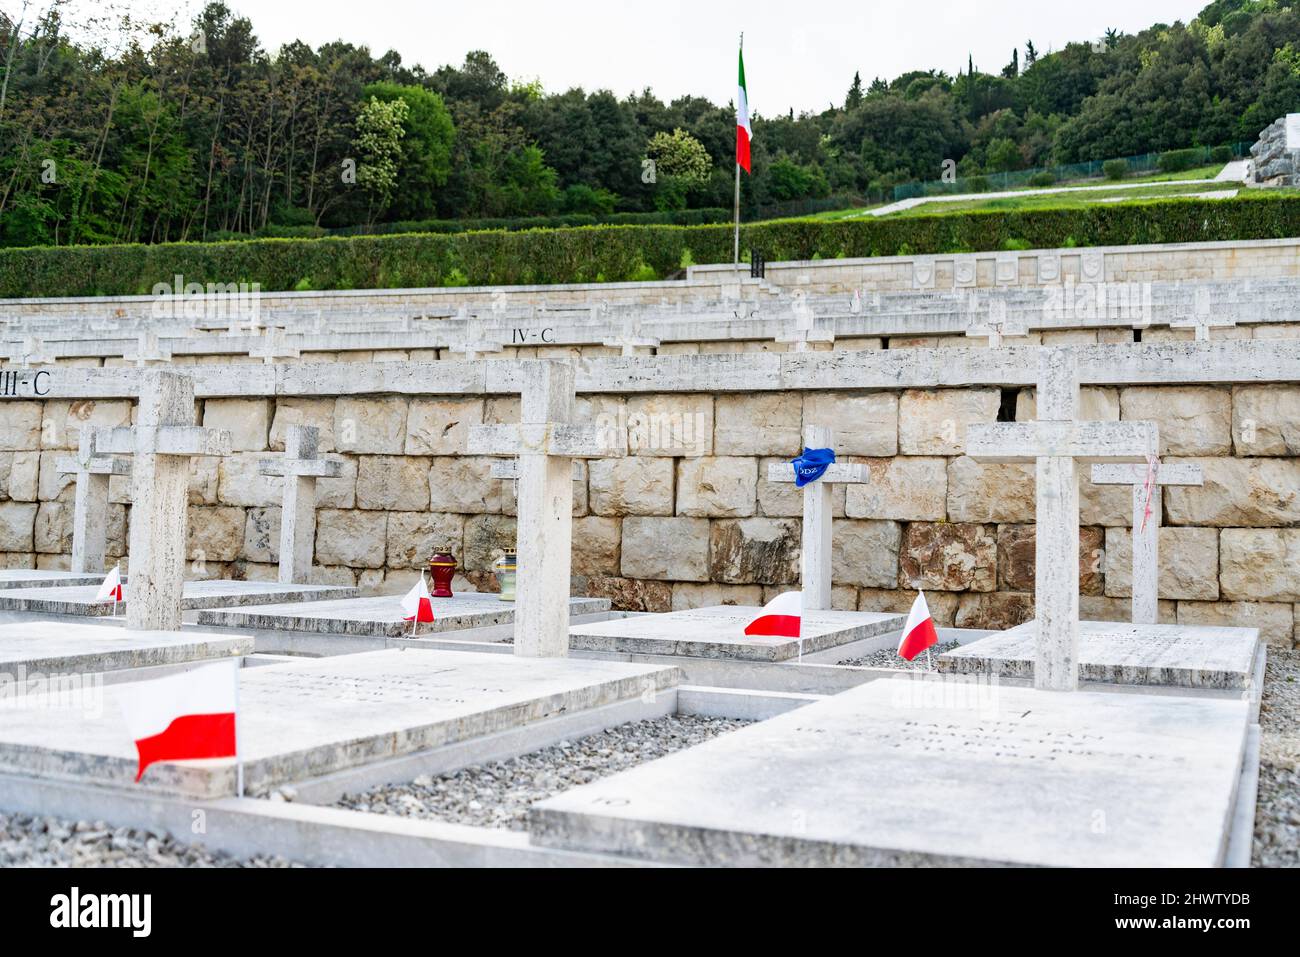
{"type": "Point", "coordinates": [744, 132]}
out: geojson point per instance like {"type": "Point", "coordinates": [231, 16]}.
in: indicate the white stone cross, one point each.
{"type": "Point", "coordinates": [149, 350]}
{"type": "Point", "coordinates": [273, 345]}
{"type": "Point", "coordinates": [995, 324]}
{"type": "Point", "coordinates": [805, 328]}
{"type": "Point", "coordinates": [632, 341]}
{"type": "Point", "coordinates": [90, 511]}
{"type": "Point", "coordinates": [1146, 481]}
{"type": "Point", "coordinates": [301, 466]}
{"type": "Point", "coordinates": [472, 348]}
{"type": "Point", "coordinates": [162, 442]}
{"type": "Point", "coordinates": [546, 441]}
{"type": "Point", "coordinates": [1202, 318]}
{"type": "Point", "coordinates": [1056, 443]}
{"type": "Point", "coordinates": [815, 555]}
{"type": "Point", "coordinates": [30, 351]}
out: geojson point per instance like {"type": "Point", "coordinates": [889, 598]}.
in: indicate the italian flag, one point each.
{"type": "Point", "coordinates": [744, 132]}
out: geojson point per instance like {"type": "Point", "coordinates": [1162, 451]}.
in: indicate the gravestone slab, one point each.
{"type": "Point", "coordinates": [884, 774]}
{"type": "Point", "coordinates": [382, 617]}
{"type": "Point", "coordinates": [719, 632]}
{"type": "Point", "coordinates": [63, 648]}
{"type": "Point", "coordinates": [1182, 656]}
{"type": "Point", "coordinates": [314, 717]}
{"type": "Point", "coordinates": [80, 600]}
{"type": "Point", "coordinates": [38, 578]}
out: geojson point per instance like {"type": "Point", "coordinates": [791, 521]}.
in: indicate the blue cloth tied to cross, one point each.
{"type": "Point", "coordinates": [811, 466]}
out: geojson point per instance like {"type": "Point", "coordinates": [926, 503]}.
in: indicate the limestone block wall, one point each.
{"type": "Point", "coordinates": [688, 518]}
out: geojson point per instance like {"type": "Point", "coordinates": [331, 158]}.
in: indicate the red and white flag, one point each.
{"type": "Point", "coordinates": [111, 589]}
{"type": "Point", "coordinates": [744, 131]}
{"type": "Point", "coordinates": [918, 633]}
{"type": "Point", "coordinates": [184, 717]}
{"type": "Point", "coordinates": [417, 605]}
{"type": "Point", "coordinates": [782, 617]}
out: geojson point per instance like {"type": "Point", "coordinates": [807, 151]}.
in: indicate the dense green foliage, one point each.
{"type": "Point", "coordinates": [617, 253]}
{"type": "Point", "coordinates": [150, 135]}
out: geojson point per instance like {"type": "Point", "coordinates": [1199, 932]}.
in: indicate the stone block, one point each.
{"type": "Point", "coordinates": [247, 420]}
{"type": "Point", "coordinates": [665, 549]}
{"type": "Point", "coordinates": [20, 426]}
{"type": "Point", "coordinates": [52, 484]}
{"type": "Point", "coordinates": [240, 482]}
{"type": "Point", "coordinates": [215, 534]}
{"type": "Point", "coordinates": [625, 594]}
{"type": "Point", "coordinates": [933, 421]}
{"type": "Point", "coordinates": [688, 595]}
{"type": "Point", "coordinates": [863, 424]}
{"type": "Point", "coordinates": [979, 492]}
{"type": "Point", "coordinates": [487, 538]}
{"type": "Point", "coordinates": [63, 421]}
{"type": "Point", "coordinates": [317, 413]}
{"type": "Point", "coordinates": [942, 604]}
{"type": "Point", "coordinates": [1189, 563]}
{"type": "Point", "coordinates": [636, 485]}
{"type": "Point", "coordinates": [596, 546]}
{"type": "Point", "coordinates": [52, 533]}
{"type": "Point", "coordinates": [762, 423]}
{"type": "Point", "coordinates": [722, 487]}
{"type": "Point", "coordinates": [1016, 544]}
{"type": "Point", "coordinates": [901, 489]}
{"type": "Point", "coordinates": [262, 537]}
{"type": "Point", "coordinates": [351, 538]}
{"type": "Point", "coordinates": [1238, 493]}
{"type": "Point", "coordinates": [441, 426]}
{"type": "Point", "coordinates": [756, 551]}
{"type": "Point", "coordinates": [670, 425]}
{"type": "Point", "coordinates": [397, 483]}
{"type": "Point", "coordinates": [1275, 622]}
{"type": "Point", "coordinates": [1192, 420]}
{"type": "Point", "coordinates": [463, 485]}
{"type": "Point", "coordinates": [994, 611]}
{"type": "Point", "coordinates": [370, 426]}
{"type": "Point", "coordinates": [414, 536]}
{"type": "Point", "coordinates": [947, 557]}
{"type": "Point", "coordinates": [1101, 608]}
{"type": "Point", "coordinates": [1258, 564]}
{"type": "Point", "coordinates": [865, 553]}
{"type": "Point", "coordinates": [1266, 420]}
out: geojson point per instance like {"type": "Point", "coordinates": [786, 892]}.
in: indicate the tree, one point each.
{"type": "Point", "coordinates": [854, 98]}
{"type": "Point", "coordinates": [426, 142]}
{"type": "Point", "coordinates": [1012, 69]}
{"type": "Point", "coordinates": [379, 141]}
{"type": "Point", "coordinates": [681, 165]}
{"type": "Point", "coordinates": [1031, 54]}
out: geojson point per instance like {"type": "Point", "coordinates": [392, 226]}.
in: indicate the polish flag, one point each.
{"type": "Point", "coordinates": [918, 633]}
{"type": "Point", "coordinates": [418, 603]}
{"type": "Point", "coordinates": [184, 717]}
{"type": "Point", "coordinates": [111, 589]}
{"type": "Point", "coordinates": [782, 617]}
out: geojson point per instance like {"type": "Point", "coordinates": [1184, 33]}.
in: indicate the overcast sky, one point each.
{"type": "Point", "coordinates": [797, 54]}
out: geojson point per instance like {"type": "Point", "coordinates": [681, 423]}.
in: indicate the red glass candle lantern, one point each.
{"type": "Point", "coordinates": [442, 568]}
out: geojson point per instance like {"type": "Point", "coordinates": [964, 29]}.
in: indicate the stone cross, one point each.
{"type": "Point", "coordinates": [90, 511]}
{"type": "Point", "coordinates": [995, 324]}
{"type": "Point", "coordinates": [472, 348]}
{"type": "Point", "coordinates": [273, 345]}
{"type": "Point", "coordinates": [815, 555]}
{"type": "Point", "coordinates": [30, 351]}
{"type": "Point", "coordinates": [1202, 317]}
{"type": "Point", "coordinates": [149, 350]}
{"type": "Point", "coordinates": [301, 466]}
{"type": "Point", "coordinates": [631, 341]}
{"type": "Point", "coordinates": [1056, 443]}
{"type": "Point", "coordinates": [546, 442]}
{"type": "Point", "coordinates": [162, 442]}
{"type": "Point", "coordinates": [805, 329]}
{"type": "Point", "coordinates": [1146, 481]}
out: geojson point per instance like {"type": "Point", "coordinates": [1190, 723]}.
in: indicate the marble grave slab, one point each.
{"type": "Point", "coordinates": [197, 595]}
{"type": "Point", "coordinates": [42, 578]}
{"type": "Point", "coordinates": [77, 647]}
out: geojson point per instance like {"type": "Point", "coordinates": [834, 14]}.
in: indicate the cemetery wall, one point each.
{"type": "Point", "coordinates": [689, 518]}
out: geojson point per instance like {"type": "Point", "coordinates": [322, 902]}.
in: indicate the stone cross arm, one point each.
{"type": "Point", "coordinates": [836, 473]}
{"type": "Point", "coordinates": [1175, 474]}
{"type": "Point", "coordinates": [561, 439]}
{"type": "Point", "coordinates": [96, 465]}
{"type": "Point", "coordinates": [167, 440]}
{"type": "Point", "coordinates": [508, 469]}
{"type": "Point", "coordinates": [307, 468]}
{"type": "Point", "coordinates": [1086, 441]}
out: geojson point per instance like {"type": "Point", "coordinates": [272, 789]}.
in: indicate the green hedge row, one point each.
{"type": "Point", "coordinates": [618, 253]}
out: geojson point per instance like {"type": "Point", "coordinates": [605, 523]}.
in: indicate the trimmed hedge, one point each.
{"type": "Point", "coordinates": [619, 253]}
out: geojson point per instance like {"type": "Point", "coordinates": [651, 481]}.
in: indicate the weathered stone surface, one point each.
{"type": "Point", "coordinates": [463, 485]}
{"type": "Point", "coordinates": [946, 557]}
{"type": "Point", "coordinates": [339, 492]}
{"type": "Point", "coordinates": [216, 534]}
{"type": "Point", "coordinates": [670, 425]}
{"type": "Point", "coordinates": [351, 537]}
{"type": "Point", "coordinates": [1101, 608]}
{"type": "Point", "coordinates": [510, 490]}
{"type": "Point", "coordinates": [990, 493]}
{"type": "Point", "coordinates": [902, 489]}
{"type": "Point", "coordinates": [441, 426]}
{"type": "Point", "coordinates": [20, 426]}
{"type": "Point", "coordinates": [759, 424]}
{"type": "Point", "coordinates": [631, 486]}
{"type": "Point", "coordinates": [687, 595]}
{"type": "Point", "coordinates": [625, 594]}
{"type": "Point", "coordinates": [414, 536]}
{"type": "Point", "coordinates": [1103, 504]}
{"type": "Point", "coordinates": [1192, 420]}
{"type": "Point", "coordinates": [783, 500]}
{"type": "Point", "coordinates": [397, 483]}
{"type": "Point", "coordinates": [1095, 405]}
{"type": "Point", "coordinates": [370, 426]}
{"type": "Point", "coordinates": [666, 549]}
{"type": "Point", "coordinates": [863, 424]}
{"type": "Point", "coordinates": [933, 421]}
{"type": "Point", "coordinates": [261, 539]}
{"type": "Point", "coordinates": [63, 421]}
{"type": "Point", "coordinates": [240, 482]}
{"type": "Point", "coordinates": [1189, 563]}
{"type": "Point", "coordinates": [942, 604]}
{"type": "Point", "coordinates": [51, 483]}
{"type": "Point", "coordinates": [596, 546]}
{"type": "Point", "coordinates": [317, 413]}
{"type": "Point", "coordinates": [1266, 419]}
{"type": "Point", "coordinates": [19, 476]}
{"type": "Point", "coordinates": [487, 538]}
{"type": "Point", "coordinates": [1238, 493]}
{"type": "Point", "coordinates": [756, 550]}
{"type": "Point", "coordinates": [53, 530]}
{"type": "Point", "coordinates": [865, 553]}
{"type": "Point", "coordinates": [1275, 622]}
{"type": "Point", "coordinates": [247, 420]}
{"type": "Point", "coordinates": [1259, 564]}
{"type": "Point", "coordinates": [724, 487]}
{"type": "Point", "coordinates": [995, 611]}
{"type": "Point", "coordinates": [1016, 558]}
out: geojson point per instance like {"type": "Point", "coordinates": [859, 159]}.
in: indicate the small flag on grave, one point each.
{"type": "Point", "coordinates": [811, 466]}
{"type": "Point", "coordinates": [417, 605]}
{"type": "Point", "coordinates": [782, 617]}
{"type": "Point", "coordinates": [184, 717]}
{"type": "Point", "coordinates": [918, 634]}
{"type": "Point", "coordinates": [111, 589]}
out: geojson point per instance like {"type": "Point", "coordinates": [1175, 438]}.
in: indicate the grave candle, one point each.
{"type": "Point", "coordinates": [442, 568]}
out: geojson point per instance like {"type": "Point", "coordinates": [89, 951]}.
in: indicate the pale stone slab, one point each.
{"type": "Point", "coordinates": [40, 578]}
{"type": "Point", "coordinates": [314, 717]}
{"type": "Point", "coordinates": [45, 647]}
{"type": "Point", "coordinates": [382, 616]}
{"type": "Point", "coordinates": [719, 632]}
{"type": "Point", "coordinates": [881, 775]}
{"type": "Point", "coordinates": [1182, 656]}
{"type": "Point", "coordinates": [195, 595]}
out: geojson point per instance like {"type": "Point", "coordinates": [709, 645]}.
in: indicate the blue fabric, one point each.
{"type": "Point", "coordinates": [811, 466]}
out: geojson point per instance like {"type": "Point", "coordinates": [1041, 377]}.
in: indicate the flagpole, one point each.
{"type": "Point", "coordinates": [736, 246]}
{"type": "Point", "coordinates": [239, 760]}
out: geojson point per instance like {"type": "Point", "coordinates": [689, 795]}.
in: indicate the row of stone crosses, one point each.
{"type": "Point", "coordinates": [547, 440]}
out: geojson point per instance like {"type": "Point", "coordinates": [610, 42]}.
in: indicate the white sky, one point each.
{"type": "Point", "coordinates": [797, 54]}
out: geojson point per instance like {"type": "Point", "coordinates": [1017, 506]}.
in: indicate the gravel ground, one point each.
{"type": "Point", "coordinates": [49, 842]}
{"type": "Point", "coordinates": [499, 794]}
{"type": "Point", "coordinates": [888, 658]}
{"type": "Point", "coordinates": [1277, 815]}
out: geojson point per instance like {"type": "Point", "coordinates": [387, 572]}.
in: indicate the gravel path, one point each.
{"type": "Point", "coordinates": [888, 658]}
{"type": "Point", "coordinates": [499, 794]}
{"type": "Point", "coordinates": [1277, 815]}
{"type": "Point", "coordinates": [49, 842]}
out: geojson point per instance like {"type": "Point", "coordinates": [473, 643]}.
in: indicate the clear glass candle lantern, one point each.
{"type": "Point", "coordinates": [506, 568]}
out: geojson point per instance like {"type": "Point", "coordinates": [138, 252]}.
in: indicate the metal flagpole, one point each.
{"type": "Point", "coordinates": [239, 759]}
{"type": "Point", "coordinates": [736, 248]}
